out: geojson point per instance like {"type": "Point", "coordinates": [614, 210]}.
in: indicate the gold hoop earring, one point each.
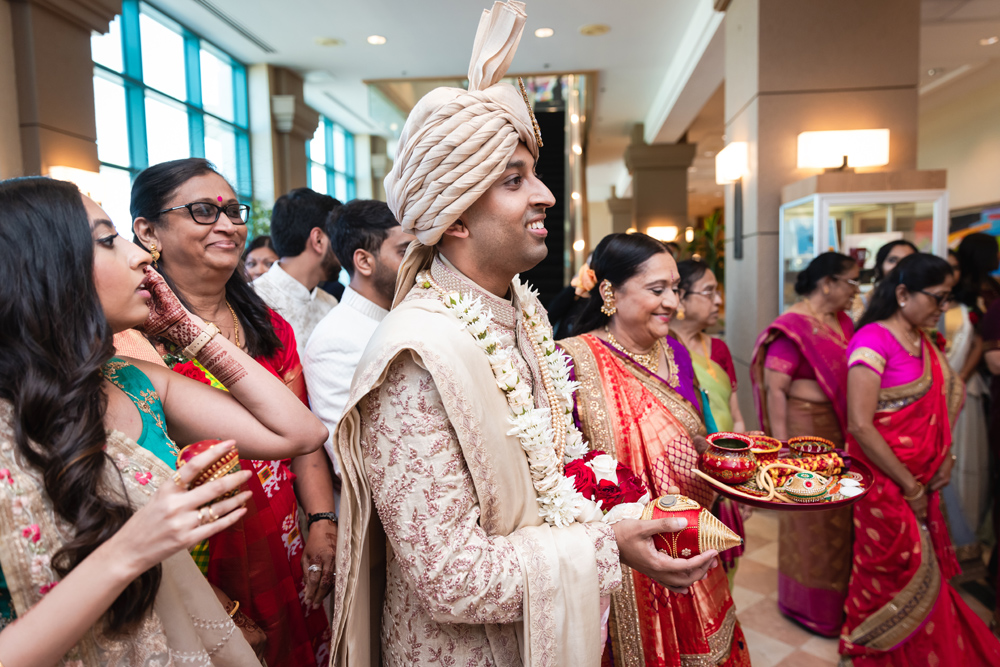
{"type": "Point", "coordinates": [154, 253]}
{"type": "Point", "coordinates": [609, 307]}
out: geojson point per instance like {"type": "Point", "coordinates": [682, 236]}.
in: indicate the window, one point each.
{"type": "Point", "coordinates": [331, 161]}
{"type": "Point", "coordinates": [163, 93]}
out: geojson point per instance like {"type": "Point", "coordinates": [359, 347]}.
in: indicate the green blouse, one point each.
{"type": "Point", "coordinates": [153, 438]}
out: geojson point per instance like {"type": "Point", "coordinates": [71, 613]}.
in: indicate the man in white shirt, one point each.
{"type": "Point", "coordinates": [299, 222]}
{"type": "Point", "coordinates": [370, 245]}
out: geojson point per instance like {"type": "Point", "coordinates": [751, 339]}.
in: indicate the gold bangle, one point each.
{"type": "Point", "coordinates": [916, 495]}
{"type": "Point", "coordinates": [236, 608]}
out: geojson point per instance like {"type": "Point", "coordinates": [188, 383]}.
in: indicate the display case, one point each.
{"type": "Point", "coordinates": [815, 219]}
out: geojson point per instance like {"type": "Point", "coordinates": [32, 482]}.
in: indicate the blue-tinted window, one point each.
{"type": "Point", "coordinates": [331, 161]}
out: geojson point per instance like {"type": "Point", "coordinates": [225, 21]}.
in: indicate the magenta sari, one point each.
{"type": "Point", "coordinates": [814, 549]}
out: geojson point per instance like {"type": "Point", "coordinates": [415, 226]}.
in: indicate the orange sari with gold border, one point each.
{"type": "Point", "coordinates": [628, 412]}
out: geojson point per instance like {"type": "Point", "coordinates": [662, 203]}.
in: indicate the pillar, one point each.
{"type": "Point", "coordinates": [281, 124]}
{"type": "Point", "coordinates": [621, 213]}
{"type": "Point", "coordinates": [791, 67]}
{"type": "Point", "coordinates": [659, 182]}
{"type": "Point", "coordinates": [55, 81]}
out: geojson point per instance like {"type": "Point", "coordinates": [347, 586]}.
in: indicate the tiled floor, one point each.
{"type": "Point", "coordinates": [775, 641]}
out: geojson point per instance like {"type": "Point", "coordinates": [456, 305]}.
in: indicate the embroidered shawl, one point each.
{"type": "Point", "coordinates": [187, 624]}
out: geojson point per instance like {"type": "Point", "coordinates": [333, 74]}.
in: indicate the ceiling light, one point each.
{"type": "Point", "coordinates": [934, 71]}
{"type": "Point", "coordinates": [544, 32]}
{"type": "Point", "coordinates": [579, 245]}
{"type": "Point", "coordinates": [574, 119]}
{"type": "Point", "coordinates": [394, 127]}
{"type": "Point", "coordinates": [989, 41]}
{"type": "Point", "coordinates": [329, 41]}
{"type": "Point", "coordinates": [578, 149]}
{"type": "Point", "coordinates": [667, 233]}
{"type": "Point", "coordinates": [861, 148]}
{"type": "Point", "coordinates": [595, 30]}
{"type": "Point", "coordinates": [689, 234]}
{"type": "Point", "coordinates": [575, 196]}
{"type": "Point", "coordinates": [376, 40]}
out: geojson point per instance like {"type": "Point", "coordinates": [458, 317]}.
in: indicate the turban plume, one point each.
{"type": "Point", "coordinates": [456, 143]}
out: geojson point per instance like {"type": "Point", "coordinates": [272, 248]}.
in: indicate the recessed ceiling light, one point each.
{"type": "Point", "coordinates": [934, 71]}
{"type": "Point", "coordinates": [329, 41]}
{"type": "Point", "coordinates": [574, 119]}
{"type": "Point", "coordinates": [595, 29]}
{"type": "Point", "coordinates": [544, 32]}
{"type": "Point", "coordinates": [394, 127]}
{"type": "Point", "coordinates": [376, 40]}
{"type": "Point", "coordinates": [579, 245]}
{"type": "Point", "coordinates": [578, 149]}
{"type": "Point", "coordinates": [989, 41]}
{"type": "Point", "coordinates": [575, 196]}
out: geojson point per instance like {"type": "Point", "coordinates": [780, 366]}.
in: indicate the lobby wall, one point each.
{"type": "Point", "coordinates": [963, 136]}
{"type": "Point", "coordinates": [10, 132]}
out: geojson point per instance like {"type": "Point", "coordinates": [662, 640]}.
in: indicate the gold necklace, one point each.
{"type": "Point", "coordinates": [650, 360]}
{"type": "Point", "coordinates": [236, 323]}
{"type": "Point", "coordinates": [816, 316]}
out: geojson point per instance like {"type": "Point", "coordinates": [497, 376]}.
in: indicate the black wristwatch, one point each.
{"type": "Point", "coordinates": [322, 516]}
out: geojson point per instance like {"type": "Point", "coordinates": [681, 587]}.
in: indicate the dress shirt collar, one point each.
{"type": "Point", "coordinates": [364, 306]}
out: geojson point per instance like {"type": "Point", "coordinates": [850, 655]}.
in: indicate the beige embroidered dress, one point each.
{"type": "Point", "coordinates": [443, 557]}
{"type": "Point", "coordinates": [187, 625]}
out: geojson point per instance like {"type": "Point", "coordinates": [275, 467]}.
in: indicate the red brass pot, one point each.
{"type": "Point", "coordinates": [729, 459]}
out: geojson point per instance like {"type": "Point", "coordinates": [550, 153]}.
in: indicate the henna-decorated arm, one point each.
{"type": "Point", "coordinates": [266, 420]}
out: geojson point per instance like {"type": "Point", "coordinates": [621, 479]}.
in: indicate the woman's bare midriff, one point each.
{"type": "Point", "coordinates": [807, 390]}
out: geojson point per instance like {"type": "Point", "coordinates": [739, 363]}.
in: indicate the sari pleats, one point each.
{"type": "Point", "coordinates": [900, 608]}
{"type": "Point", "coordinates": [624, 413]}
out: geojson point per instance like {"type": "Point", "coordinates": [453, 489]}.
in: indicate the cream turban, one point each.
{"type": "Point", "coordinates": [456, 143]}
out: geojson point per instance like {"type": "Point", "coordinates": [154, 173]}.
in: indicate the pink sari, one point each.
{"type": "Point", "coordinates": [628, 412]}
{"type": "Point", "coordinates": [814, 549]}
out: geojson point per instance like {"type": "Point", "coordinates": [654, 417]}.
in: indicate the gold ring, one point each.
{"type": "Point", "coordinates": [179, 482]}
{"type": "Point", "coordinates": [201, 516]}
{"type": "Point", "coordinates": [212, 513]}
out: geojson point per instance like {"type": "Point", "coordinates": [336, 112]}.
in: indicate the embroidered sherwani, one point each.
{"type": "Point", "coordinates": [454, 565]}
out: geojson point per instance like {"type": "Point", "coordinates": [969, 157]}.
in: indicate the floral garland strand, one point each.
{"type": "Point", "coordinates": [544, 433]}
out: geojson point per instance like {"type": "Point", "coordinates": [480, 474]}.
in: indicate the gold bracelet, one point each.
{"type": "Point", "coordinates": [916, 495]}
{"type": "Point", "coordinates": [236, 608]}
{"type": "Point", "coordinates": [207, 334]}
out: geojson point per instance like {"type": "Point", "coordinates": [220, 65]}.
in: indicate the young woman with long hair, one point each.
{"type": "Point", "coordinates": [89, 499]}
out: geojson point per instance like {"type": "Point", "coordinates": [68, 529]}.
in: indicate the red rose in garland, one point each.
{"type": "Point", "coordinates": [601, 478]}
{"type": "Point", "coordinates": [583, 478]}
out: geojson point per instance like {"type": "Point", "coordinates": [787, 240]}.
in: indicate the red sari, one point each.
{"type": "Point", "coordinates": [901, 611]}
{"type": "Point", "coordinates": [628, 412]}
{"type": "Point", "coordinates": [259, 560]}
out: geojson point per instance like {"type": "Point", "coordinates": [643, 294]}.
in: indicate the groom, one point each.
{"type": "Point", "coordinates": [451, 546]}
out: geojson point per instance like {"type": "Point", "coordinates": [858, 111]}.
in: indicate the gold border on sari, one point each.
{"type": "Point", "coordinates": [720, 645]}
{"type": "Point", "coordinates": [868, 356]}
{"type": "Point", "coordinates": [626, 639]}
{"type": "Point", "coordinates": [893, 623]}
{"type": "Point", "coordinates": [590, 396]}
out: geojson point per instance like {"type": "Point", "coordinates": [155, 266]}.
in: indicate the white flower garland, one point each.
{"type": "Point", "coordinates": [559, 501]}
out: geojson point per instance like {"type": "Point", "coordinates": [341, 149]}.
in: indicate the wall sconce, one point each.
{"type": "Point", "coordinates": [731, 164]}
{"type": "Point", "coordinates": [88, 182]}
{"type": "Point", "coordinates": [579, 245]}
{"type": "Point", "coordinates": [843, 148]}
{"type": "Point", "coordinates": [664, 233]}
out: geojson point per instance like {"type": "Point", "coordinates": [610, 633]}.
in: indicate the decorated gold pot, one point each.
{"type": "Point", "coordinates": [729, 459]}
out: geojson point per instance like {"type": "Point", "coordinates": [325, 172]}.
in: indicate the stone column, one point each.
{"type": "Point", "coordinates": [792, 67]}
{"type": "Point", "coordinates": [621, 213]}
{"type": "Point", "coordinates": [55, 80]}
{"type": "Point", "coordinates": [659, 182]}
{"type": "Point", "coordinates": [281, 124]}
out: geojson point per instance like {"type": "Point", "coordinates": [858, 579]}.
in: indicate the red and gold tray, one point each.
{"type": "Point", "coordinates": [853, 469]}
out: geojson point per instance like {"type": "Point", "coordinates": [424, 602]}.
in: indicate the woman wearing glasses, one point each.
{"type": "Point", "coordinates": [799, 377]}
{"type": "Point", "coordinates": [902, 399]}
{"type": "Point", "coordinates": [700, 300]}
{"type": "Point", "coordinates": [188, 217]}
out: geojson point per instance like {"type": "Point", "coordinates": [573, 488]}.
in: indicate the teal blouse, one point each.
{"type": "Point", "coordinates": [153, 438]}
